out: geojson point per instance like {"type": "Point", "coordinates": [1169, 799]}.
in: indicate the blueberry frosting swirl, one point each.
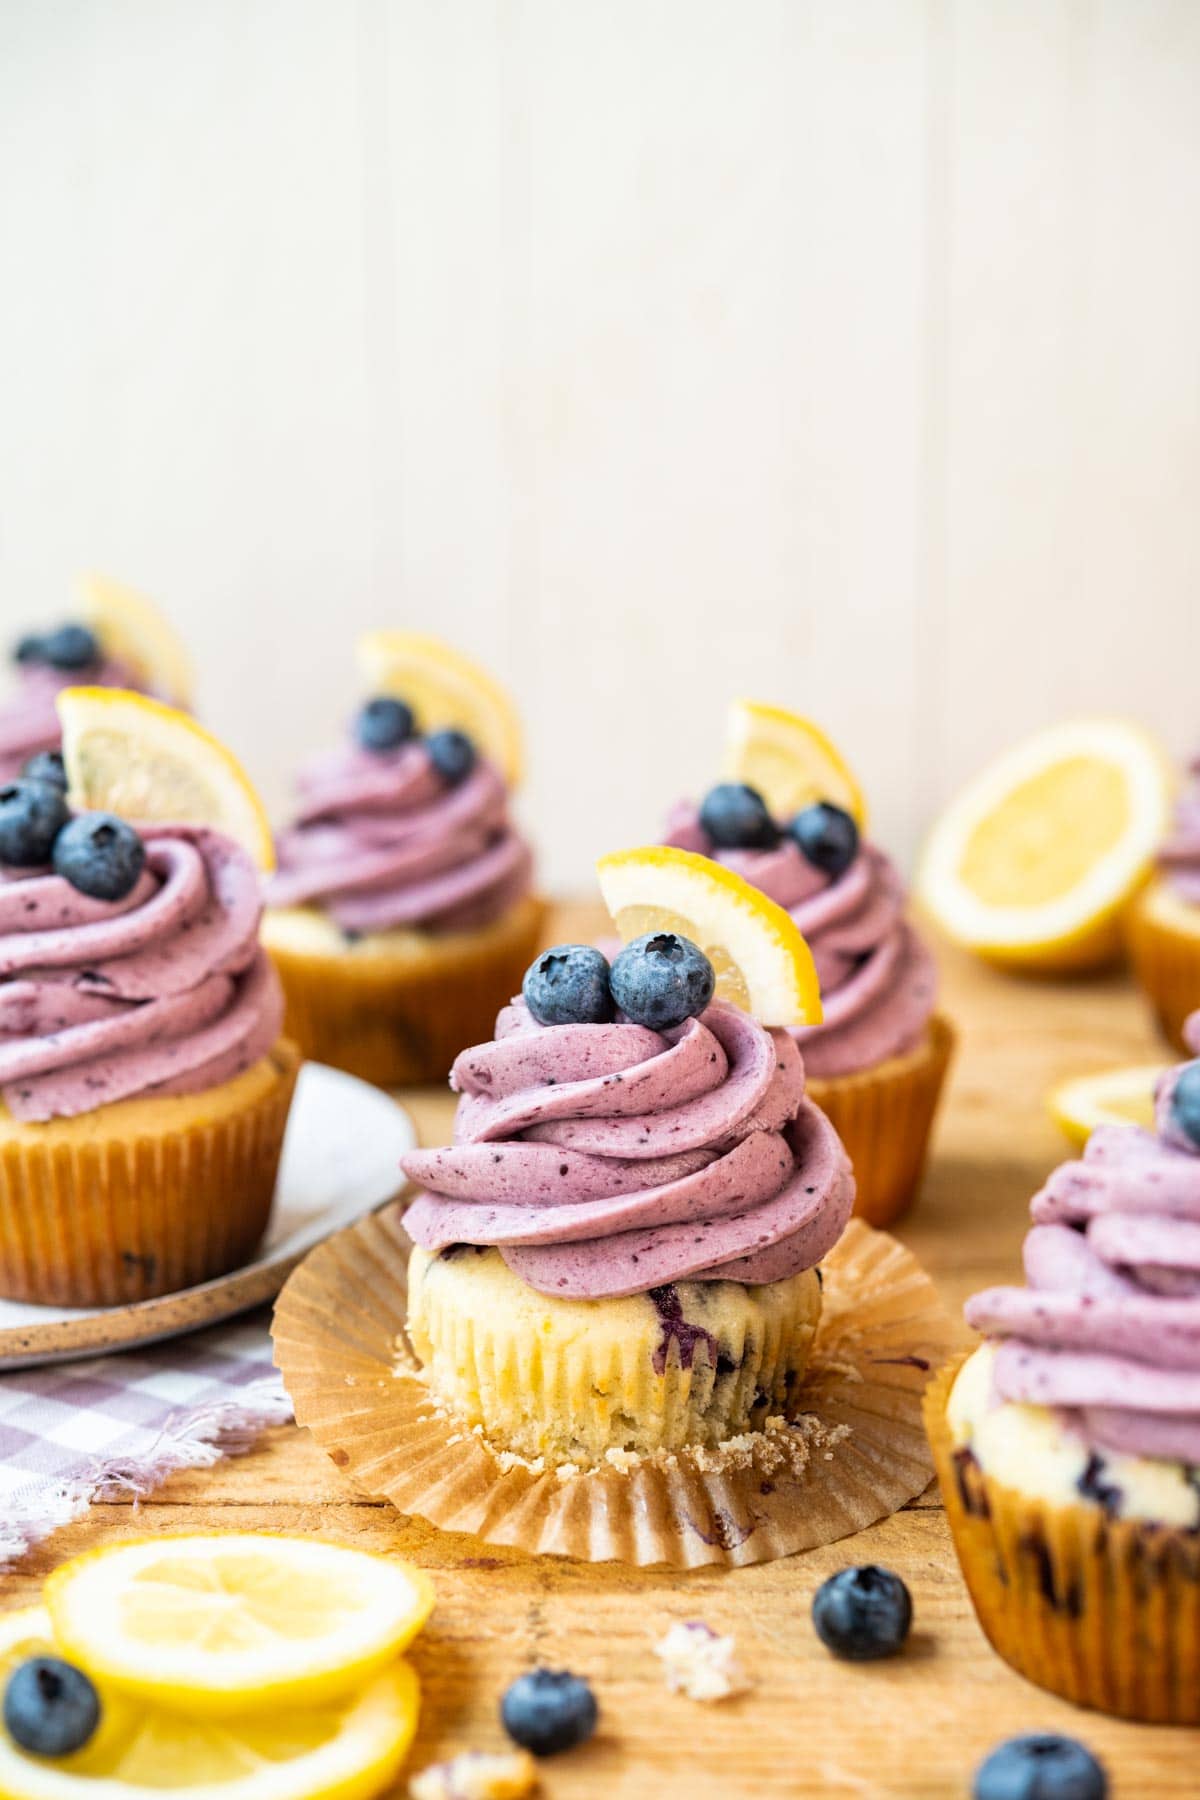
{"type": "Point", "coordinates": [878, 981]}
{"type": "Point", "coordinates": [163, 992]}
{"type": "Point", "coordinates": [29, 719]}
{"type": "Point", "coordinates": [605, 1160]}
{"type": "Point", "coordinates": [382, 842]}
{"type": "Point", "coordinates": [1108, 1328]}
{"type": "Point", "coordinates": [1179, 857]}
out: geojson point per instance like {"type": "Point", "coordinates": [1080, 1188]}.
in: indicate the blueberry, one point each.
{"type": "Point", "coordinates": [1040, 1767]}
{"type": "Point", "coordinates": [569, 986]}
{"type": "Point", "coordinates": [735, 817]}
{"type": "Point", "coordinates": [47, 765]}
{"type": "Point", "coordinates": [549, 1710]}
{"type": "Point", "coordinates": [70, 647]}
{"type": "Point", "coordinates": [32, 813]}
{"type": "Point", "coordinates": [862, 1614]}
{"type": "Point", "coordinates": [827, 836]}
{"type": "Point", "coordinates": [452, 754]}
{"type": "Point", "coordinates": [1185, 1101]}
{"type": "Point", "coordinates": [50, 1706]}
{"type": "Point", "coordinates": [99, 855]}
{"type": "Point", "coordinates": [29, 649]}
{"type": "Point", "coordinates": [384, 724]}
{"type": "Point", "coordinates": [662, 979]}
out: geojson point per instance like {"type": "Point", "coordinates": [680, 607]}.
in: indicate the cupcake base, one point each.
{"type": "Point", "coordinates": [693, 1363]}
{"type": "Point", "coordinates": [395, 1008]}
{"type": "Point", "coordinates": [884, 1117]}
{"type": "Point", "coordinates": [1103, 1612]}
{"type": "Point", "coordinates": [143, 1197]}
{"type": "Point", "coordinates": [1163, 933]}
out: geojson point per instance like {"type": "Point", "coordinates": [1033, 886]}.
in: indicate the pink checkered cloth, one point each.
{"type": "Point", "coordinates": [72, 1433]}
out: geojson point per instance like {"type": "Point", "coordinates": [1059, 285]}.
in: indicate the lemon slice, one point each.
{"type": "Point", "coordinates": [760, 958]}
{"type": "Point", "coordinates": [235, 1622]}
{"type": "Point", "coordinates": [444, 689]}
{"type": "Point", "coordinates": [1114, 1097]}
{"type": "Point", "coordinates": [345, 1750]}
{"type": "Point", "coordinates": [1033, 863]}
{"type": "Point", "coordinates": [134, 756]}
{"type": "Point", "coordinates": [789, 760]}
{"type": "Point", "coordinates": [132, 631]}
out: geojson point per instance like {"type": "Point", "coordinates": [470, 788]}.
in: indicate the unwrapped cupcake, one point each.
{"type": "Point", "coordinates": [877, 1061]}
{"type": "Point", "coordinates": [144, 1081]}
{"type": "Point", "coordinates": [1163, 923]}
{"type": "Point", "coordinates": [403, 913]}
{"type": "Point", "coordinates": [1068, 1444]}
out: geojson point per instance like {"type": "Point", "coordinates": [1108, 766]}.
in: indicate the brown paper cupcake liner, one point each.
{"type": "Point", "coordinates": [399, 1020]}
{"type": "Point", "coordinates": [1166, 963]}
{"type": "Point", "coordinates": [1103, 1612]}
{"type": "Point", "coordinates": [854, 1453]}
{"type": "Point", "coordinates": [157, 1196]}
{"type": "Point", "coordinates": [884, 1117]}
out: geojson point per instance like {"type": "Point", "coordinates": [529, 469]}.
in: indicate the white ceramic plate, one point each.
{"type": "Point", "coordinates": [341, 1159]}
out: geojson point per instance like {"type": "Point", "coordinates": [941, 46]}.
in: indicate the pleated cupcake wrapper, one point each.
{"type": "Point", "coordinates": [884, 1117]}
{"type": "Point", "coordinates": [341, 1345]}
{"type": "Point", "coordinates": [1166, 962]}
{"type": "Point", "coordinates": [399, 1020]}
{"type": "Point", "coordinates": [1103, 1612]}
{"type": "Point", "coordinates": [111, 1220]}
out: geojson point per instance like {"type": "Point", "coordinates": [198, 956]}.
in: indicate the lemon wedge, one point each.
{"type": "Point", "coordinates": [131, 755]}
{"type": "Point", "coordinates": [235, 1622]}
{"type": "Point", "coordinates": [760, 958]}
{"type": "Point", "coordinates": [132, 631]}
{"type": "Point", "coordinates": [350, 1749]}
{"type": "Point", "coordinates": [1036, 859]}
{"type": "Point", "coordinates": [1114, 1097]}
{"type": "Point", "coordinates": [445, 690]}
{"type": "Point", "coordinates": [789, 760]}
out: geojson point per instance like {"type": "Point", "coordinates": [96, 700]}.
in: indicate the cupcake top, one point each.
{"type": "Point", "coordinates": [1107, 1331]}
{"type": "Point", "coordinates": [395, 830]}
{"type": "Point", "coordinates": [1179, 857]}
{"type": "Point", "coordinates": [643, 1141]}
{"type": "Point", "coordinates": [45, 664]}
{"type": "Point", "coordinates": [878, 981]}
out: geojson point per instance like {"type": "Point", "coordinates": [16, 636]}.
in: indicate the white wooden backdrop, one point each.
{"type": "Point", "coordinates": [841, 352]}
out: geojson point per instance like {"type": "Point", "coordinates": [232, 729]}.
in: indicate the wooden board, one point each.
{"type": "Point", "coordinates": [914, 1728]}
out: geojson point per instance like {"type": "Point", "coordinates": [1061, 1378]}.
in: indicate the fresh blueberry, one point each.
{"type": "Point", "coordinates": [47, 765]}
{"type": "Point", "coordinates": [452, 754]}
{"type": "Point", "coordinates": [862, 1614]}
{"type": "Point", "coordinates": [735, 817]}
{"type": "Point", "coordinates": [569, 986]}
{"type": "Point", "coordinates": [32, 813]}
{"type": "Point", "coordinates": [384, 724]}
{"type": "Point", "coordinates": [662, 979]}
{"type": "Point", "coordinates": [827, 836]}
{"type": "Point", "coordinates": [1185, 1101]}
{"type": "Point", "coordinates": [99, 855]}
{"type": "Point", "coordinates": [1040, 1767]}
{"type": "Point", "coordinates": [50, 1706]}
{"type": "Point", "coordinates": [29, 649]}
{"type": "Point", "coordinates": [70, 647]}
{"type": "Point", "coordinates": [549, 1710]}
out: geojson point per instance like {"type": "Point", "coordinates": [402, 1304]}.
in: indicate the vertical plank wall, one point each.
{"type": "Point", "coordinates": [844, 354]}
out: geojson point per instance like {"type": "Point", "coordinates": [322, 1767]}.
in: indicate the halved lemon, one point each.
{"type": "Point", "coordinates": [134, 756]}
{"type": "Point", "coordinates": [1114, 1097]}
{"type": "Point", "coordinates": [761, 960]}
{"type": "Point", "coordinates": [1035, 860]}
{"type": "Point", "coordinates": [236, 1622]}
{"type": "Point", "coordinates": [789, 760]}
{"type": "Point", "coordinates": [445, 690]}
{"type": "Point", "coordinates": [350, 1749]}
{"type": "Point", "coordinates": [133, 631]}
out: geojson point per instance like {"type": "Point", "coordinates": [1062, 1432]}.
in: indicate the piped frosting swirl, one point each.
{"type": "Point", "coordinates": [1179, 857]}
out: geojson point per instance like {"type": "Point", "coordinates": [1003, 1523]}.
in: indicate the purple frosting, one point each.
{"type": "Point", "coordinates": [1108, 1328]}
{"type": "Point", "coordinates": [1180, 855]}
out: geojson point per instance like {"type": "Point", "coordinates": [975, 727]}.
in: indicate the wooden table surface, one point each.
{"type": "Point", "coordinates": [915, 1727]}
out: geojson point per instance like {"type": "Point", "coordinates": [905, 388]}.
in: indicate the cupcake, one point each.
{"type": "Point", "coordinates": [619, 1253]}
{"type": "Point", "coordinates": [876, 1062]}
{"type": "Point", "coordinates": [1068, 1444]}
{"type": "Point", "coordinates": [402, 914]}
{"type": "Point", "coordinates": [144, 1083]}
{"type": "Point", "coordinates": [1163, 923]}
